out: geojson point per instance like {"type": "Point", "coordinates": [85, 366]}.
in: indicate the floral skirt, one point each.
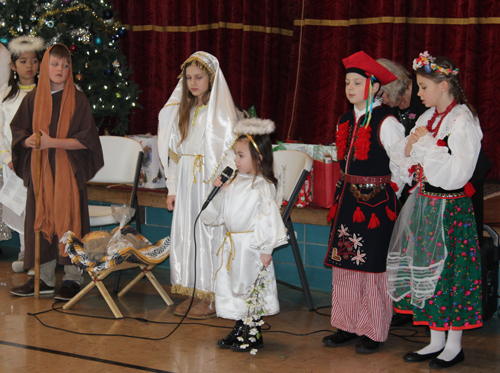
{"type": "Point", "coordinates": [456, 303]}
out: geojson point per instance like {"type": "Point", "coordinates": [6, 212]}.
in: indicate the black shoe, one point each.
{"type": "Point", "coordinates": [341, 338]}
{"type": "Point", "coordinates": [68, 290]}
{"type": "Point", "coordinates": [438, 363]}
{"type": "Point", "coordinates": [249, 340]}
{"type": "Point", "coordinates": [28, 289]}
{"type": "Point", "coordinates": [400, 319]}
{"type": "Point", "coordinates": [413, 357]}
{"type": "Point", "coordinates": [366, 345]}
{"type": "Point", "coordinates": [232, 337]}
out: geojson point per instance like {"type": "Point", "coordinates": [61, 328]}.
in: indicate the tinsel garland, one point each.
{"type": "Point", "coordinates": [77, 8]}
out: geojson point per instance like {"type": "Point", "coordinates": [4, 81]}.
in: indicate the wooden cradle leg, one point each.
{"type": "Point", "coordinates": [80, 295]}
{"type": "Point", "coordinates": [133, 282]}
{"type": "Point", "coordinates": [157, 286]}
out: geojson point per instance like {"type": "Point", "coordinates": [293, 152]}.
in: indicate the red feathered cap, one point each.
{"type": "Point", "coordinates": [364, 65]}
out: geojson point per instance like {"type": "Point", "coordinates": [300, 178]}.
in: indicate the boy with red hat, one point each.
{"type": "Point", "coordinates": [364, 210]}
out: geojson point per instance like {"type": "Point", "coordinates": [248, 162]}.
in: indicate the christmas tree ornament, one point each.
{"type": "Point", "coordinates": [97, 40]}
{"type": "Point", "coordinates": [86, 66]}
{"type": "Point", "coordinates": [107, 14]}
{"type": "Point", "coordinates": [117, 65]}
{"type": "Point", "coordinates": [50, 23]}
{"type": "Point", "coordinates": [122, 32]}
{"type": "Point", "coordinates": [108, 72]}
{"type": "Point", "coordinates": [54, 40]}
{"type": "Point", "coordinates": [79, 77]}
{"type": "Point", "coordinates": [118, 95]}
{"type": "Point", "coordinates": [72, 48]}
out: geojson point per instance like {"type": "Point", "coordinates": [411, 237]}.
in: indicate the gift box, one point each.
{"type": "Point", "coordinates": [326, 175]}
{"type": "Point", "coordinates": [152, 175]}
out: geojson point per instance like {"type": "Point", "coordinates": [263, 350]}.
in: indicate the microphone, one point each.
{"type": "Point", "coordinates": [224, 176]}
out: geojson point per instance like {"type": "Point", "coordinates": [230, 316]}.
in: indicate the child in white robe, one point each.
{"type": "Point", "coordinates": [24, 65]}
{"type": "Point", "coordinates": [194, 136]}
{"type": "Point", "coordinates": [249, 210]}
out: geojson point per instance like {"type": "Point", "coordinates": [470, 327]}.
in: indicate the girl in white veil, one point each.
{"type": "Point", "coordinates": [194, 136]}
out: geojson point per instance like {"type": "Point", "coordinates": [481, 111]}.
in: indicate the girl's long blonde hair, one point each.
{"type": "Point", "coordinates": [188, 100]}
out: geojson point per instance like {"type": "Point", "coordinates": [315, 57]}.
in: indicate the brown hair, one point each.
{"type": "Point", "coordinates": [188, 101]}
{"type": "Point", "coordinates": [453, 81]}
{"type": "Point", "coordinates": [262, 167]}
{"type": "Point", "coordinates": [60, 51]}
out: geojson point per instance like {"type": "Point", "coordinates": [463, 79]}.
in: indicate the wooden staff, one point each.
{"type": "Point", "coordinates": [38, 162]}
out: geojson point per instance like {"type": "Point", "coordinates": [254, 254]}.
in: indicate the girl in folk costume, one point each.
{"type": "Point", "coordinates": [194, 135]}
{"type": "Point", "coordinates": [249, 210]}
{"type": "Point", "coordinates": [24, 67]}
{"type": "Point", "coordinates": [434, 255]}
{"type": "Point", "coordinates": [364, 210]}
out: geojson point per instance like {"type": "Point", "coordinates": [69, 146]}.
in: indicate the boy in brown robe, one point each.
{"type": "Point", "coordinates": [71, 155]}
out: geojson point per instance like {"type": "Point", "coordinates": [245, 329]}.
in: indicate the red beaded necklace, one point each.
{"type": "Point", "coordinates": [435, 115]}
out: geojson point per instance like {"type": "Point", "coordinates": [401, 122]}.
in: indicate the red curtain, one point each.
{"type": "Point", "coordinates": [285, 57]}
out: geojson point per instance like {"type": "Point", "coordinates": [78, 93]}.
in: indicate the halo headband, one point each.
{"type": "Point", "coordinates": [25, 44]}
{"type": "Point", "coordinates": [426, 61]}
{"type": "Point", "coordinates": [253, 142]}
{"type": "Point", "coordinates": [254, 126]}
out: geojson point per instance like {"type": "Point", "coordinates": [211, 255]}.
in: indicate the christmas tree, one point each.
{"type": "Point", "coordinates": [89, 29]}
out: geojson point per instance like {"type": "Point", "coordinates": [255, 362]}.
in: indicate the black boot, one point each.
{"type": "Point", "coordinates": [252, 338]}
{"type": "Point", "coordinates": [231, 338]}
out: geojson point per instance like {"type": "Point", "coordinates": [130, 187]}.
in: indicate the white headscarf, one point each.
{"type": "Point", "coordinates": [221, 117]}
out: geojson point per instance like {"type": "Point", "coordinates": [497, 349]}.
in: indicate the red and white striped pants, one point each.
{"type": "Point", "coordinates": [360, 303]}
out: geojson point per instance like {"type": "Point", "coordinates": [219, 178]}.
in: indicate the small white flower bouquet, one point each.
{"type": "Point", "coordinates": [256, 306]}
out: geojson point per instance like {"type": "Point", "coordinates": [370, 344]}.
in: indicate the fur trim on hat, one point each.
{"type": "Point", "coordinates": [25, 44]}
{"type": "Point", "coordinates": [254, 126]}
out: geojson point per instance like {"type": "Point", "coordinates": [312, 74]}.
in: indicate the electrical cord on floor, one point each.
{"type": "Point", "coordinates": [322, 314]}
{"type": "Point", "coordinates": [266, 327]}
{"type": "Point", "coordinates": [58, 309]}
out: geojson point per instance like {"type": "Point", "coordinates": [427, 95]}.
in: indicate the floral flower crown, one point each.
{"type": "Point", "coordinates": [426, 61]}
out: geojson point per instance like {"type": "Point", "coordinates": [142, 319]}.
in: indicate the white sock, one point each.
{"type": "Point", "coordinates": [438, 340]}
{"type": "Point", "coordinates": [453, 345]}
